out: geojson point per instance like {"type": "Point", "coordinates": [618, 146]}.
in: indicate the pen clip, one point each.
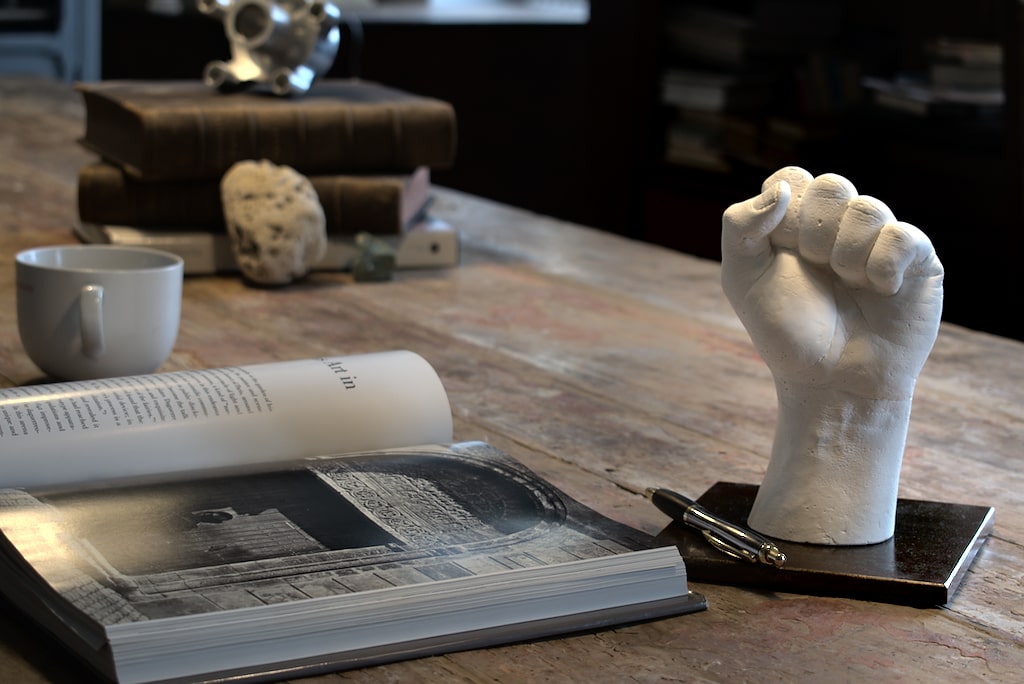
{"type": "Point", "coordinates": [728, 549]}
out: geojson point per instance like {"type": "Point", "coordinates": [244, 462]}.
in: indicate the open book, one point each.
{"type": "Point", "coordinates": [293, 518]}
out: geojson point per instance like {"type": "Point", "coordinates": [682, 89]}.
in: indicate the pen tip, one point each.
{"type": "Point", "coordinates": [649, 492]}
{"type": "Point", "coordinates": [776, 557]}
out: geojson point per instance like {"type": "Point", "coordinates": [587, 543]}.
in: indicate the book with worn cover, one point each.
{"type": "Point", "coordinates": [429, 242]}
{"type": "Point", "coordinates": [174, 130]}
{"type": "Point", "coordinates": [279, 519]}
{"type": "Point", "coordinates": [378, 204]}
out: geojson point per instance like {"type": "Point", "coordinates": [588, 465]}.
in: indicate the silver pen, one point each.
{"type": "Point", "coordinates": [725, 536]}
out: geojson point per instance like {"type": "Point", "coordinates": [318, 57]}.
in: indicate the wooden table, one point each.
{"type": "Point", "coordinates": [607, 366]}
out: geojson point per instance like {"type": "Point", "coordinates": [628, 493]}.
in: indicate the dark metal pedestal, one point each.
{"type": "Point", "coordinates": [922, 565]}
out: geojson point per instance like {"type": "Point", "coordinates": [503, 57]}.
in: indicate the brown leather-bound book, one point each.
{"type": "Point", "coordinates": [381, 205]}
{"type": "Point", "coordinates": [174, 130]}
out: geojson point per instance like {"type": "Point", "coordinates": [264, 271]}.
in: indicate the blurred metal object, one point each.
{"type": "Point", "coordinates": [285, 44]}
{"type": "Point", "coordinates": [374, 260]}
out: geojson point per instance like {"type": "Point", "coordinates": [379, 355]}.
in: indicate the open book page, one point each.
{"type": "Point", "coordinates": [460, 539]}
{"type": "Point", "coordinates": [144, 425]}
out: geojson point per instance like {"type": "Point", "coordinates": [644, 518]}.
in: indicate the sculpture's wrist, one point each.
{"type": "Point", "coordinates": [834, 470]}
{"type": "Point", "coordinates": [829, 421]}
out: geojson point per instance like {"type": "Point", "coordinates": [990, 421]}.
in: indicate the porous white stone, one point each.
{"type": "Point", "coordinates": [275, 221]}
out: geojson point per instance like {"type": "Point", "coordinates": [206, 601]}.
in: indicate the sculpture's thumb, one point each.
{"type": "Point", "coordinates": [747, 225]}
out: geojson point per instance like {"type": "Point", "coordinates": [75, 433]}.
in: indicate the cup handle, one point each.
{"type": "Point", "coordinates": [90, 306]}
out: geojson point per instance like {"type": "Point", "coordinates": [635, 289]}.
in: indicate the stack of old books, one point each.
{"type": "Point", "coordinates": [367, 148]}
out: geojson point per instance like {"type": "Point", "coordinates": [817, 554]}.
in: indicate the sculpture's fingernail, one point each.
{"type": "Point", "coordinates": [767, 198]}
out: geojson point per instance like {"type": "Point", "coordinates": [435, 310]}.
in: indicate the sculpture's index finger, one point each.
{"type": "Point", "coordinates": [820, 214]}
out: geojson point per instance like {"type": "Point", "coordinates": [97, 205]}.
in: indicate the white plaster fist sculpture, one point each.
{"type": "Point", "coordinates": [843, 303]}
{"type": "Point", "coordinates": [275, 221]}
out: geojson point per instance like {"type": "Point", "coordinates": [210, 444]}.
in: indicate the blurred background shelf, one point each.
{"type": "Point", "coordinates": [58, 38]}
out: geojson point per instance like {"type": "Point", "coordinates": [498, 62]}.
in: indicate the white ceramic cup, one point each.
{"type": "Point", "coordinates": [92, 311]}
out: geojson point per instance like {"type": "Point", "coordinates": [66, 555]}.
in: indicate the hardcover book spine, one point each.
{"type": "Point", "coordinates": [382, 205]}
{"type": "Point", "coordinates": [194, 142]}
{"type": "Point", "coordinates": [107, 195]}
{"type": "Point", "coordinates": [352, 204]}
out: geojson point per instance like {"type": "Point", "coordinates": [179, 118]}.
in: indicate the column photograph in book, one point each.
{"type": "Point", "coordinates": [325, 558]}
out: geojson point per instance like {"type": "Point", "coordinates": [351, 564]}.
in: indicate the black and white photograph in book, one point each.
{"type": "Point", "coordinates": [335, 526]}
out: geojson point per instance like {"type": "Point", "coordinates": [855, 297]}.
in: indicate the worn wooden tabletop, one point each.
{"type": "Point", "coordinates": [607, 366]}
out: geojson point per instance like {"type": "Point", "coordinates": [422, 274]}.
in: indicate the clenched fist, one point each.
{"type": "Point", "coordinates": [843, 303]}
